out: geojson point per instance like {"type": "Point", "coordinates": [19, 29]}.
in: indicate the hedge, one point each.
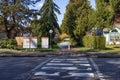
{"type": "Point", "coordinates": [8, 43]}
{"type": "Point", "coordinates": [94, 42]}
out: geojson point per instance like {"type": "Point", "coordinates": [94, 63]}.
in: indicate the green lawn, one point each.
{"type": "Point", "coordinates": [108, 49]}
{"type": "Point", "coordinates": [28, 50]}
{"type": "Point", "coordinates": [9, 50]}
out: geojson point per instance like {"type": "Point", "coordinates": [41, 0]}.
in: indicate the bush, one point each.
{"type": "Point", "coordinates": [94, 42]}
{"type": "Point", "coordinates": [11, 43]}
{"type": "Point", "coordinates": [3, 43]}
{"type": "Point", "coordinates": [8, 43]}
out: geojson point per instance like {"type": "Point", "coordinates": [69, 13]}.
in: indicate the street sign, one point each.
{"type": "Point", "coordinates": [29, 42]}
{"type": "Point", "coordinates": [33, 42]}
{"type": "Point", "coordinates": [45, 42]}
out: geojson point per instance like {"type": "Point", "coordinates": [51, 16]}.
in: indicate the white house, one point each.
{"type": "Point", "coordinates": [112, 36]}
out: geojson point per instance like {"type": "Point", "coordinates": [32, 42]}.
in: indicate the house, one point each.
{"type": "Point", "coordinates": [112, 36]}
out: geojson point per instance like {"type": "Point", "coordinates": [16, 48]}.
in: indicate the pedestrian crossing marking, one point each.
{"type": "Point", "coordinates": [59, 64]}
{"type": "Point", "coordinates": [73, 74]}
{"type": "Point", "coordinates": [57, 59]}
{"type": "Point", "coordinates": [72, 67]}
{"type": "Point", "coordinates": [88, 65]}
{"type": "Point", "coordinates": [46, 74]}
{"type": "Point", "coordinates": [65, 68]}
{"type": "Point", "coordinates": [79, 61]}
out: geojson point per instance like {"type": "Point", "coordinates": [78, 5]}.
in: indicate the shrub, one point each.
{"type": "Point", "coordinates": [8, 43]}
{"type": "Point", "coordinates": [94, 42]}
{"type": "Point", "coordinates": [3, 43]}
{"type": "Point", "coordinates": [11, 43]}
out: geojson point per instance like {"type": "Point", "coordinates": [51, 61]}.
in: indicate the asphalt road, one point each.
{"type": "Point", "coordinates": [59, 68]}
{"type": "Point", "coordinates": [109, 67]}
{"type": "Point", "coordinates": [12, 68]}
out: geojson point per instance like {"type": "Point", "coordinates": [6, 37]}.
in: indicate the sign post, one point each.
{"type": "Point", "coordinates": [50, 31]}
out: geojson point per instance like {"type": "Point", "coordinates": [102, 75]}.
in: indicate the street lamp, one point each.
{"type": "Point", "coordinates": [50, 31]}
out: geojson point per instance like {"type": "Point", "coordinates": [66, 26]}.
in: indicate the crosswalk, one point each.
{"type": "Point", "coordinates": [66, 68]}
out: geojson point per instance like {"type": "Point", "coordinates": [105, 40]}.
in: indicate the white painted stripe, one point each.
{"type": "Point", "coordinates": [89, 69]}
{"type": "Point", "coordinates": [51, 68]}
{"type": "Point", "coordinates": [46, 74]}
{"type": "Point", "coordinates": [64, 68]}
{"type": "Point", "coordinates": [55, 61]}
{"type": "Point", "coordinates": [70, 59]}
{"type": "Point", "coordinates": [59, 64]}
{"type": "Point", "coordinates": [79, 61]}
{"type": "Point", "coordinates": [59, 59]}
{"type": "Point", "coordinates": [87, 65]}
{"type": "Point", "coordinates": [81, 74]}
{"type": "Point", "coordinates": [99, 74]}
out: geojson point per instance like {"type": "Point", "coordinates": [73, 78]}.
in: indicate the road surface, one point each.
{"type": "Point", "coordinates": [59, 68]}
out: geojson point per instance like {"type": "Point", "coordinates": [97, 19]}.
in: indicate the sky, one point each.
{"type": "Point", "coordinates": [62, 5]}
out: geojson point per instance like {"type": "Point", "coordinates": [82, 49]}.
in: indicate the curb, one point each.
{"type": "Point", "coordinates": [25, 54]}
{"type": "Point", "coordinates": [53, 54]}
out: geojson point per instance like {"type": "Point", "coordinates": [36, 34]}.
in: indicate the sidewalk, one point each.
{"type": "Point", "coordinates": [73, 51]}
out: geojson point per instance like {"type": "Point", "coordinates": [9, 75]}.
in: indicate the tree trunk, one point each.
{"type": "Point", "coordinates": [6, 28]}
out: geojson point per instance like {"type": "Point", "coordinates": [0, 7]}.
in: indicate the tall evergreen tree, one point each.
{"type": "Point", "coordinates": [48, 19]}
{"type": "Point", "coordinates": [33, 26]}
{"type": "Point", "coordinates": [115, 10]}
{"type": "Point", "coordinates": [75, 21]}
{"type": "Point", "coordinates": [68, 23]}
{"type": "Point", "coordinates": [15, 15]}
{"type": "Point", "coordinates": [115, 5]}
{"type": "Point", "coordinates": [103, 14]}
{"type": "Point", "coordinates": [83, 24]}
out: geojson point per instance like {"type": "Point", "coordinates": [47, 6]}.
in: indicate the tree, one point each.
{"type": "Point", "coordinates": [48, 19]}
{"type": "Point", "coordinates": [75, 21]}
{"type": "Point", "coordinates": [103, 15]}
{"type": "Point", "coordinates": [115, 5]}
{"type": "Point", "coordinates": [15, 15]}
{"type": "Point", "coordinates": [33, 25]}
{"type": "Point", "coordinates": [106, 13]}
{"type": "Point", "coordinates": [68, 23]}
{"type": "Point", "coordinates": [115, 10]}
{"type": "Point", "coordinates": [83, 21]}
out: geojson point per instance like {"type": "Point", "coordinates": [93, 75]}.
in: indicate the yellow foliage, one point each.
{"type": "Point", "coordinates": [64, 35]}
